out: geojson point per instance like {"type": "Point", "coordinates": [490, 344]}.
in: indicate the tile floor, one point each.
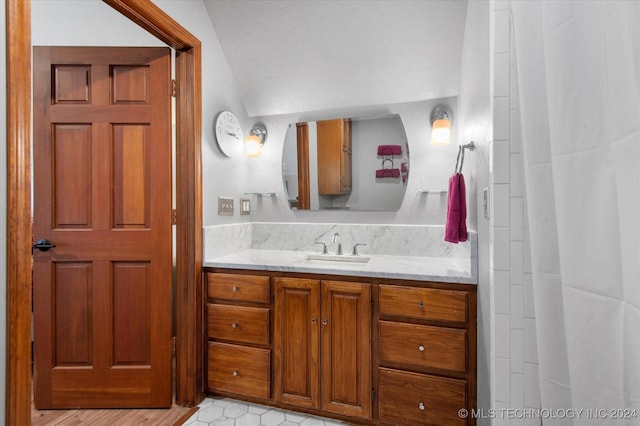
{"type": "Point", "coordinates": [230, 412]}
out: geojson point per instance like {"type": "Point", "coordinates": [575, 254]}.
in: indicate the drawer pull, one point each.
{"type": "Point", "coordinates": [234, 288]}
{"type": "Point", "coordinates": [421, 406]}
{"type": "Point", "coordinates": [421, 303]}
{"type": "Point", "coordinates": [237, 373]}
{"type": "Point", "coordinates": [234, 325]}
{"type": "Point", "coordinates": [421, 348]}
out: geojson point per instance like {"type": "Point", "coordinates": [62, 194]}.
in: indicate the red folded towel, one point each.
{"type": "Point", "coordinates": [387, 173]}
{"type": "Point", "coordinates": [456, 226]}
{"type": "Point", "coordinates": [389, 150]}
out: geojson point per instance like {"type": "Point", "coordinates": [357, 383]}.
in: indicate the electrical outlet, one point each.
{"type": "Point", "coordinates": [225, 206]}
{"type": "Point", "coordinates": [245, 206]}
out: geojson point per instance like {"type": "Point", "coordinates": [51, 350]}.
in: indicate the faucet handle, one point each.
{"type": "Point", "coordinates": [324, 247]}
{"type": "Point", "coordinates": [355, 248]}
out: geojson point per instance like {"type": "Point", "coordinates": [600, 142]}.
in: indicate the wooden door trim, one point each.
{"type": "Point", "coordinates": [189, 389]}
{"type": "Point", "coordinates": [304, 197]}
{"type": "Point", "coordinates": [18, 383]}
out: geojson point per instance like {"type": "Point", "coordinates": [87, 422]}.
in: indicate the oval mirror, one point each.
{"type": "Point", "coordinates": [346, 163]}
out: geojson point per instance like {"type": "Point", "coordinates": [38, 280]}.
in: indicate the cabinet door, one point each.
{"type": "Point", "coordinates": [296, 342]}
{"type": "Point", "coordinates": [346, 348]}
{"type": "Point", "coordinates": [334, 157]}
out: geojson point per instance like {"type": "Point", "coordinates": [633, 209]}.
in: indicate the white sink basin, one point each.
{"type": "Point", "coordinates": [336, 258]}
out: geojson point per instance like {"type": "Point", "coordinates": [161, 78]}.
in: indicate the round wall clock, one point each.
{"type": "Point", "coordinates": [228, 133]}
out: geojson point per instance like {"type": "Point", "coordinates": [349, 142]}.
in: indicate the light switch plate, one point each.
{"type": "Point", "coordinates": [225, 206]}
{"type": "Point", "coordinates": [245, 206]}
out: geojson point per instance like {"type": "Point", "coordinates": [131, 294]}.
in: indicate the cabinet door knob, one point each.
{"type": "Point", "coordinates": [421, 303]}
{"type": "Point", "coordinates": [421, 348]}
{"type": "Point", "coordinates": [236, 373]}
{"type": "Point", "coordinates": [421, 406]}
{"type": "Point", "coordinates": [325, 321]}
{"type": "Point", "coordinates": [234, 325]}
{"type": "Point", "coordinates": [314, 320]}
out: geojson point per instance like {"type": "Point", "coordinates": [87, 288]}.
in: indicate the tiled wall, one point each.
{"type": "Point", "coordinates": [514, 359]}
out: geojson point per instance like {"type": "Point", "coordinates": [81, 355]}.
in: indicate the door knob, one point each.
{"type": "Point", "coordinates": [42, 245]}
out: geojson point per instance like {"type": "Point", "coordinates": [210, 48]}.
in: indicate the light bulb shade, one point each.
{"type": "Point", "coordinates": [441, 132]}
{"type": "Point", "coordinates": [255, 141]}
{"type": "Point", "coordinates": [252, 146]}
{"type": "Point", "coordinates": [441, 120]}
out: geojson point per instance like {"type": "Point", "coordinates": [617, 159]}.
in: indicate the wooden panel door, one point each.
{"type": "Point", "coordinates": [296, 342]}
{"type": "Point", "coordinates": [346, 348]}
{"type": "Point", "coordinates": [102, 196]}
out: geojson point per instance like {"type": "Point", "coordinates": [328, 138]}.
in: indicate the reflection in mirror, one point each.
{"type": "Point", "coordinates": [350, 164]}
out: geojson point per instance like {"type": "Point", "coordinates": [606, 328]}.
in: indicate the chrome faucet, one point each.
{"type": "Point", "coordinates": [355, 248]}
{"type": "Point", "coordinates": [338, 239]}
{"type": "Point", "coordinates": [324, 247]}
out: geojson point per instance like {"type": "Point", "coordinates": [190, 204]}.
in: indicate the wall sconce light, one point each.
{"type": "Point", "coordinates": [441, 120]}
{"type": "Point", "coordinates": [255, 141]}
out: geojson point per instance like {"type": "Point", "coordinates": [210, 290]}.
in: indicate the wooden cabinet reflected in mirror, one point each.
{"type": "Point", "coordinates": [334, 156]}
{"type": "Point", "coordinates": [340, 164]}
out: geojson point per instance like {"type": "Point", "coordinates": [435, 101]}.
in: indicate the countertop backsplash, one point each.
{"type": "Point", "coordinates": [395, 240]}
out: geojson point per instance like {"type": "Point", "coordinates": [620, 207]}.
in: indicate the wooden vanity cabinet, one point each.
{"type": "Point", "coordinates": [365, 350]}
{"type": "Point", "coordinates": [322, 345]}
{"type": "Point", "coordinates": [427, 355]}
{"type": "Point", "coordinates": [334, 156]}
{"type": "Point", "coordinates": [238, 334]}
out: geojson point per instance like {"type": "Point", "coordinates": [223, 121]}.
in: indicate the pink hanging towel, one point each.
{"type": "Point", "coordinates": [389, 150]}
{"type": "Point", "coordinates": [456, 226]}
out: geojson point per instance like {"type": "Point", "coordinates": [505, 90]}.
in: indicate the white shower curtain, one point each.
{"type": "Point", "coordinates": [578, 65]}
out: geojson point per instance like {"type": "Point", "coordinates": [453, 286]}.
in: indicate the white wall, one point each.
{"type": "Point", "coordinates": [474, 118]}
{"type": "Point", "coordinates": [3, 212]}
{"type": "Point", "coordinates": [83, 23]}
{"type": "Point", "coordinates": [290, 163]}
{"type": "Point", "coordinates": [368, 192]}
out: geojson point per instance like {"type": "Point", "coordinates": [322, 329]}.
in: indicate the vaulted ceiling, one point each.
{"type": "Point", "coordinates": [309, 55]}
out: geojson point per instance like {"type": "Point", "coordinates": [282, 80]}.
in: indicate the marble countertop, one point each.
{"type": "Point", "coordinates": [442, 269]}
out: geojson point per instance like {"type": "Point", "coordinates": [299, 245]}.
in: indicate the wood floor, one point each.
{"type": "Point", "coordinates": [173, 416]}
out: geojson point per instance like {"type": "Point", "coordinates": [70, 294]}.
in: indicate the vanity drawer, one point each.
{"type": "Point", "coordinates": [238, 323]}
{"type": "Point", "coordinates": [420, 399]}
{"type": "Point", "coordinates": [423, 303]}
{"type": "Point", "coordinates": [239, 369]}
{"type": "Point", "coordinates": [423, 346]}
{"type": "Point", "coordinates": [246, 288]}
